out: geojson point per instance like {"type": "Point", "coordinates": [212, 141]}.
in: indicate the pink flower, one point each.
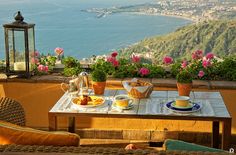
{"type": "Point", "coordinates": [34, 60]}
{"type": "Point", "coordinates": [197, 54]}
{"type": "Point", "coordinates": [46, 68]}
{"type": "Point", "coordinates": [206, 63]}
{"type": "Point", "coordinates": [135, 58]}
{"type": "Point", "coordinates": [59, 51]}
{"type": "Point", "coordinates": [111, 59]}
{"type": "Point", "coordinates": [168, 60]}
{"type": "Point", "coordinates": [114, 54]}
{"type": "Point", "coordinates": [184, 64]}
{"type": "Point", "coordinates": [144, 71]}
{"type": "Point", "coordinates": [210, 56]}
{"type": "Point", "coordinates": [41, 68]}
{"type": "Point", "coordinates": [115, 63]}
{"type": "Point", "coordinates": [201, 74]}
{"type": "Point", "coordinates": [36, 54]}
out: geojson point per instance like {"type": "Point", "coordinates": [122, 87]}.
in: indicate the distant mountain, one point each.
{"type": "Point", "coordinates": [218, 37]}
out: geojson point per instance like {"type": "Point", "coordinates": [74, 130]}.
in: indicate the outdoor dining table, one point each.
{"type": "Point", "coordinates": [212, 109]}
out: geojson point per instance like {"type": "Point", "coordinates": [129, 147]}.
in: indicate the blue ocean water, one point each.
{"type": "Point", "coordinates": [61, 23]}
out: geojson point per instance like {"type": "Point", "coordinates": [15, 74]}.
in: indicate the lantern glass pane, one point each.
{"type": "Point", "coordinates": [19, 41]}
{"type": "Point", "coordinates": [11, 48]}
{"type": "Point", "coordinates": [32, 58]}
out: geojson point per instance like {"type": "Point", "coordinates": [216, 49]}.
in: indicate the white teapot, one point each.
{"type": "Point", "coordinates": [83, 83]}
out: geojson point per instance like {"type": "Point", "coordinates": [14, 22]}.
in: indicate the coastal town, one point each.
{"type": "Point", "coordinates": [196, 10]}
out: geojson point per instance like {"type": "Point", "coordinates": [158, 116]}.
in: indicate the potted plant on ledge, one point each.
{"type": "Point", "coordinates": [184, 82]}
{"type": "Point", "coordinates": [99, 78]}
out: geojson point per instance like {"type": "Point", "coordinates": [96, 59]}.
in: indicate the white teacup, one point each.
{"type": "Point", "coordinates": [182, 101]}
{"type": "Point", "coordinates": [71, 87]}
{"type": "Point", "coordinates": [122, 100]}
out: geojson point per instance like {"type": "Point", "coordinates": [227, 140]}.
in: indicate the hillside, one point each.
{"type": "Point", "coordinates": [218, 37]}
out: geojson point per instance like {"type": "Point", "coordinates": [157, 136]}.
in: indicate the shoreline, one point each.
{"type": "Point", "coordinates": [167, 15]}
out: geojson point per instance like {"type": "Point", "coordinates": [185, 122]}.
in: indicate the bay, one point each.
{"type": "Point", "coordinates": [61, 23]}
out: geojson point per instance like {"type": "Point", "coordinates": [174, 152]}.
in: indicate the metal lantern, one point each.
{"type": "Point", "coordinates": [19, 47]}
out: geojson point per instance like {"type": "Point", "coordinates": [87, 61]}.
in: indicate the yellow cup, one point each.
{"type": "Point", "coordinates": [182, 101]}
{"type": "Point", "coordinates": [122, 100]}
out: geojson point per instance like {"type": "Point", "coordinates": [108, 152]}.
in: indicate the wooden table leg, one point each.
{"type": "Point", "coordinates": [215, 134]}
{"type": "Point", "coordinates": [71, 127]}
{"type": "Point", "coordinates": [226, 134]}
{"type": "Point", "coordinates": [52, 120]}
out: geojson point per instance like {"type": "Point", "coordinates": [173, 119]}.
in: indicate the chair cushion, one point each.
{"type": "Point", "coordinates": [14, 134]}
{"type": "Point", "coordinates": [181, 145]}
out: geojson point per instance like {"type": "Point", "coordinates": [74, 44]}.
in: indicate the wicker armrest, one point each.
{"type": "Point", "coordinates": [11, 111]}
{"type": "Point", "coordinates": [93, 150]}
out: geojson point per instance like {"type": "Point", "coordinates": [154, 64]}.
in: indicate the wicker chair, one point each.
{"type": "Point", "coordinates": [12, 111]}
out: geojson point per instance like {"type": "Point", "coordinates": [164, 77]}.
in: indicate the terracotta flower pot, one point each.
{"type": "Point", "coordinates": [184, 89]}
{"type": "Point", "coordinates": [98, 87]}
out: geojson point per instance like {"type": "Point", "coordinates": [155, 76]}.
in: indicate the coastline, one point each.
{"type": "Point", "coordinates": [167, 15]}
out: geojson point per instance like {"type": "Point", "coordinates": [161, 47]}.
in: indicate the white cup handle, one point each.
{"type": "Point", "coordinates": [63, 85]}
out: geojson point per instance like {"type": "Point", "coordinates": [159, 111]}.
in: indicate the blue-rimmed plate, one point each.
{"type": "Point", "coordinates": [194, 107]}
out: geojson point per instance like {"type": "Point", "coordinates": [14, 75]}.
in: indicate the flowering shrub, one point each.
{"type": "Point", "coordinates": [42, 64]}
{"type": "Point", "coordinates": [207, 67]}
{"type": "Point", "coordinates": [200, 67]}
{"type": "Point", "coordinates": [121, 68]}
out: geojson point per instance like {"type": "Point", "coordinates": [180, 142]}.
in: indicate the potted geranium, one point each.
{"type": "Point", "coordinates": [98, 81]}
{"type": "Point", "coordinates": [184, 82]}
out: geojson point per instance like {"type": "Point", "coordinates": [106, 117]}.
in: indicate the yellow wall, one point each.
{"type": "Point", "coordinates": [38, 98]}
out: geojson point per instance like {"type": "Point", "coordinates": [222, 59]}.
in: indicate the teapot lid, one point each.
{"type": "Point", "coordinates": [83, 74]}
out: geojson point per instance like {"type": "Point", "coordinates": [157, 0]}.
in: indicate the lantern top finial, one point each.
{"type": "Point", "coordinates": [19, 22]}
{"type": "Point", "coordinates": [19, 17]}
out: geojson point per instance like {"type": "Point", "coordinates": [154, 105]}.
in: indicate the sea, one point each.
{"type": "Point", "coordinates": [62, 23]}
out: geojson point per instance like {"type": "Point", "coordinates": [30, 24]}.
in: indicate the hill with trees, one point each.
{"type": "Point", "coordinates": [218, 37]}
